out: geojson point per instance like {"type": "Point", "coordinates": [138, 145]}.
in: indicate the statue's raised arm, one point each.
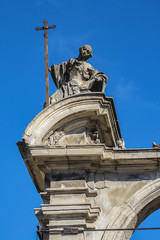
{"type": "Point", "coordinates": [77, 76]}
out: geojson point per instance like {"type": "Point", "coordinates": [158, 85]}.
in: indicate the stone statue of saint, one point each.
{"type": "Point", "coordinates": [77, 76]}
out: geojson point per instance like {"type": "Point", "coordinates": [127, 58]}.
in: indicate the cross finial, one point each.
{"type": "Point", "coordinates": [46, 56]}
{"type": "Point", "coordinates": [45, 21]}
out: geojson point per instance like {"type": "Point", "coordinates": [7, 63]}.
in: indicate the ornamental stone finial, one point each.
{"type": "Point", "coordinates": [155, 145]}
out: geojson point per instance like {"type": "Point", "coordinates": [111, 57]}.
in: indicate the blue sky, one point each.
{"type": "Point", "coordinates": [125, 37]}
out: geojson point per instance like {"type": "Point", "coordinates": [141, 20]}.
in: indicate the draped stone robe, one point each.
{"type": "Point", "coordinates": [75, 76]}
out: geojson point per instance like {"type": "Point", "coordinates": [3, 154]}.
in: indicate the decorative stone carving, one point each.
{"type": "Point", "coordinates": [74, 115]}
{"type": "Point", "coordinates": [76, 76]}
{"type": "Point", "coordinates": [92, 135]}
{"type": "Point", "coordinates": [121, 143]}
{"type": "Point", "coordinates": [80, 136]}
{"type": "Point", "coordinates": [55, 137]}
{"type": "Point", "coordinates": [155, 145]}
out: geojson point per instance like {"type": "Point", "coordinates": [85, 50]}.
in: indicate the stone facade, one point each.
{"type": "Point", "coordinates": [88, 181]}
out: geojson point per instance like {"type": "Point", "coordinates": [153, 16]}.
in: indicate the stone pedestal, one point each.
{"type": "Point", "coordinates": [89, 186]}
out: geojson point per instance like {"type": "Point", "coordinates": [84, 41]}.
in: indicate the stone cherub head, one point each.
{"type": "Point", "coordinates": [85, 52]}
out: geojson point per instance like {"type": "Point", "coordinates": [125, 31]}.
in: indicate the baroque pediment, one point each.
{"type": "Point", "coordinates": [84, 119]}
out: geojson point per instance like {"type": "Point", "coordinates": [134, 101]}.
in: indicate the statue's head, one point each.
{"type": "Point", "coordinates": [85, 52]}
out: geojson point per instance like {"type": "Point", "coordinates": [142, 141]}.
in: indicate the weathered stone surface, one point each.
{"type": "Point", "coordinates": [86, 119]}
{"type": "Point", "coordinates": [77, 76]}
{"type": "Point", "coordinates": [85, 180]}
{"type": "Point", "coordinates": [155, 145]}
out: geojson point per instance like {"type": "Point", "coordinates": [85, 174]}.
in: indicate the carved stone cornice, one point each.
{"type": "Point", "coordinates": [61, 216]}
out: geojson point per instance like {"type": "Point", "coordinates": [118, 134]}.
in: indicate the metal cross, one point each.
{"type": "Point", "coordinates": [46, 56]}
